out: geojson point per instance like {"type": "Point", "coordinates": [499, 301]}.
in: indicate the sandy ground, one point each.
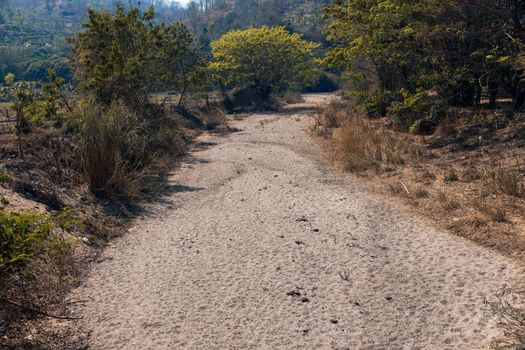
{"type": "Point", "coordinates": [261, 246]}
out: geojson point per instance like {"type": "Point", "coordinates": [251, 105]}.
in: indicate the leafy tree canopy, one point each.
{"type": "Point", "coordinates": [271, 59]}
{"type": "Point", "coordinates": [124, 56]}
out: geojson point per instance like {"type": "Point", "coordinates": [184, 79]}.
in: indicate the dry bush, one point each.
{"type": "Point", "coordinates": [470, 174]}
{"type": "Point", "coordinates": [331, 117]}
{"type": "Point", "coordinates": [118, 147]}
{"type": "Point", "coordinates": [499, 179]}
{"type": "Point", "coordinates": [363, 146]}
{"type": "Point", "coordinates": [447, 202]}
{"type": "Point", "coordinates": [214, 117]}
{"type": "Point", "coordinates": [108, 141]}
{"type": "Point", "coordinates": [421, 193]}
{"type": "Point", "coordinates": [508, 307]}
{"type": "Point", "coordinates": [493, 210]}
{"type": "Point", "coordinates": [426, 176]}
{"type": "Point", "coordinates": [451, 175]}
{"type": "Point", "coordinates": [293, 97]}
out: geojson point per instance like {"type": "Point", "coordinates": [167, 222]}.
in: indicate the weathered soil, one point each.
{"type": "Point", "coordinates": [260, 245]}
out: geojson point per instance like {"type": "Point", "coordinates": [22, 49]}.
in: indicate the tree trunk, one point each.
{"type": "Point", "coordinates": [266, 92]}
{"type": "Point", "coordinates": [19, 124]}
{"type": "Point", "coordinates": [493, 93]}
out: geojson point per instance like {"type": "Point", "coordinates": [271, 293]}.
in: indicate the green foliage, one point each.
{"type": "Point", "coordinates": [19, 234]}
{"type": "Point", "coordinates": [412, 108]}
{"type": "Point", "coordinates": [377, 104]}
{"type": "Point", "coordinates": [5, 179]}
{"type": "Point", "coordinates": [122, 57]}
{"type": "Point", "coordinates": [26, 234]}
{"type": "Point", "coordinates": [455, 48]}
{"type": "Point", "coordinates": [270, 59]}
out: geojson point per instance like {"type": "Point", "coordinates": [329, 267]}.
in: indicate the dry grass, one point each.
{"type": "Point", "coordinates": [214, 118]}
{"type": "Point", "coordinates": [478, 191]}
{"type": "Point", "coordinates": [292, 98]}
{"type": "Point", "coordinates": [508, 307]}
{"type": "Point", "coordinates": [500, 179]}
{"type": "Point", "coordinates": [362, 146]}
{"type": "Point", "coordinates": [331, 117]}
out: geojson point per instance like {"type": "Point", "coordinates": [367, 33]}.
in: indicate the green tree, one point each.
{"type": "Point", "coordinates": [111, 56]}
{"type": "Point", "coordinates": [123, 57]}
{"type": "Point", "coordinates": [271, 59]}
{"type": "Point", "coordinates": [23, 95]}
{"type": "Point", "coordinates": [457, 48]}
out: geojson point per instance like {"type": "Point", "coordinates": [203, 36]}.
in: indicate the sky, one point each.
{"type": "Point", "coordinates": [183, 2]}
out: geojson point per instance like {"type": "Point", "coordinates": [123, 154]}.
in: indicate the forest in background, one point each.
{"type": "Point", "coordinates": [33, 33]}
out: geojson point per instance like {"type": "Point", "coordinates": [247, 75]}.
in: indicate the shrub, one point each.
{"type": "Point", "coordinates": [111, 146]}
{"type": "Point", "coordinates": [330, 117]}
{"type": "Point", "coordinates": [411, 109]}
{"type": "Point", "coordinates": [117, 145]}
{"type": "Point", "coordinates": [5, 179]}
{"type": "Point", "coordinates": [493, 210]}
{"type": "Point", "coordinates": [362, 146]}
{"type": "Point", "coordinates": [214, 117]}
{"type": "Point", "coordinates": [378, 104]}
{"type": "Point", "coordinates": [19, 234]}
{"type": "Point", "coordinates": [502, 180]}
{"type": "Point", "coordinates": [451, 175]}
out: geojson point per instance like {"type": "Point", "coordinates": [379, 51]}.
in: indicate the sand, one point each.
{"type": "Point", "coordinates": [259, 245]}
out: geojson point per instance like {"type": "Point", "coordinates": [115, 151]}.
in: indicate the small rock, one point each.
{"type": "Point", "coordinates": [315, 230]}
{"type": "Point", "coordinates": [334, 321]}
{"type": "Point", "coordinates": [388, 298]}
{"type": "Point", "coordinates": [299, 242]}
{"type": "Point", "coordinates": [356, 303]}
{"type": "Point", "coordinates": [293, 293]}
{"type": "Point", "coordinates": [305, 300]}
{"type": "Point", "coordinates": [302, 219]}
{"type": "Point", "coordinates": [86, 240]}
{"type": "Point", "coordinates": [306, 331]}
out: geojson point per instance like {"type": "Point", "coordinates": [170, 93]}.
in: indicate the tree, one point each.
{"type": "Point", "coordinates": [22, 94]}
{"type": "Point", "coordinates": [4, 11]}
{"type": "Point", "coordinates": [271, 59]}
{"type": "Point", "coordinates": [111, 56]}
{"type": "Point", "coordinates": [458, 48]}
{"type": "Point", "coordinates": [122, 57]}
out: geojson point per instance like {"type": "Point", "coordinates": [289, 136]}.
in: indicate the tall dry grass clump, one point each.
{"type": "Point", "coordinates": [504, 180]}
{"type": "Point", "coordinates": [118, 146]}
{"type": "Point", "coordinates": [331, 117]}
{"type": "Point", "coordinates": [111, 147]}
{"type": "Point", "coordinates": [363, 146]}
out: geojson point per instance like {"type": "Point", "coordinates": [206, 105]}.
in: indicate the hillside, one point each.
{"type": "Point", "coordinates": [33, 34]}
{"type": "Point", "coordinates": [219, 16]}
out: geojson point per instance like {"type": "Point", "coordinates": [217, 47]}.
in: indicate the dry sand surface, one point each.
{"type": "Point", "coordinates": [261, 246]}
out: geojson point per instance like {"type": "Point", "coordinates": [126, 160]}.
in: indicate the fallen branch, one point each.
{"type": "Point", "coordinates": [405, 187]}
{"type": "Point", "coordinates": [32, 308]}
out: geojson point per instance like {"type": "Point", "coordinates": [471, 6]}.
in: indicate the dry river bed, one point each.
{"type": "Point", "coordinates": [259, 245]}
